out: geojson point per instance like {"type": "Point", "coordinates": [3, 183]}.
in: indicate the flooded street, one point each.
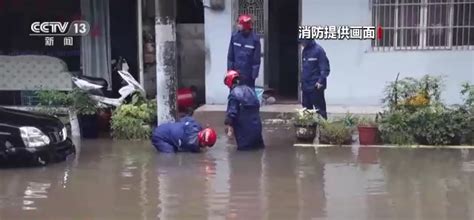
{"type": "Point", "coordinates": [130, 180]}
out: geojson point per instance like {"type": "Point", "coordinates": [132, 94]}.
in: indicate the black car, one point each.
{"type": "Point", "coordinates": [32, 138]}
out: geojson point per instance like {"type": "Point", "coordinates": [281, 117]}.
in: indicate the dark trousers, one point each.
{"type": "Point", "coordinates": [315, 100]}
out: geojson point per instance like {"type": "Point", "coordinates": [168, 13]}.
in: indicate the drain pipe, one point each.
{"type": "Point", "coordinates": [140, 42]}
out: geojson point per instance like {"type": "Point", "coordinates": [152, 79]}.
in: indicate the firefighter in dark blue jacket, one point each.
{"type": "Point", "coordinates": [245, 52]}
{"type": "Point", "coordinates": [314, 76]}
{"type": "Point", "coordinates": [187, 135]}
{"type": "Point", "coordinates": [243, 114]}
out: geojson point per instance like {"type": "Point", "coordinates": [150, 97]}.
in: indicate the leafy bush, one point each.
{"type": "Point", "coordinates": [367, 122]}
{"type": "Point", "coordinates": [134, 120]}
{"type": "Point", "coordinates": [53, 98]}
{"type": "Point", "coordinates": [467, 112]}
{"type": "Point", "coordinates": [82, 103]}
{"type": "Point", "coordinates": [468, 92]}
{"type": "Point", "coordinates": [394, 127]}
{"type": "Point", "coordinates": [77, 99]}
{"type": "Point", "coordinates": [350, 120]}
{"type": "Point", "coordinates": [336, 132]}
{"type": "Point", "coordinates": [417, 115]}
{"type": "Point", "coordinates": [436, 126]}
{"type": "Point", "coordinates": [411, 93]}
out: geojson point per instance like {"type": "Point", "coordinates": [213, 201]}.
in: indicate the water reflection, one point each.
{"type": "Point", "coordinates": [246, 192]}
{"type": "Point", "coordinates": [129, 180]}
{"type": "Point", "coordinates": [33, 192]}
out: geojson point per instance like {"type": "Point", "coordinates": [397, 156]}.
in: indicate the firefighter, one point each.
{"type": "Point", "coordinates": [314, 76]}
{"type": "Point", "coordinates": [187, 135]}
{"type": "Point", "coordinates": [245, 52]}
{"type": "Point", "coordinates": [243, 114]}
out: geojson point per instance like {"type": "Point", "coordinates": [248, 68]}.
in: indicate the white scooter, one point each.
{"type": "Point", "coordinates": [96, 87]}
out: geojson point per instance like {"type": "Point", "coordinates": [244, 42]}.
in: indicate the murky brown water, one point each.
{"type": "Point", "coordinates": [129, 180]}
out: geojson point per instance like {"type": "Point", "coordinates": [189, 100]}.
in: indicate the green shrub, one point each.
{"type": "Point", "coordinates": [133, 121]}
{"type": "Point", "coordinates": [467, 112]}
{"type": "Point", "coordinates": [394, 127]}
{"type": "Point", "coordinates": [336, 132]}
{"type": "Point", "coordinates": [427, 126]}
{"type": "Point", "coordinates": [434, 124]}
{"type": "Point", "coordinates": [411, 93]}
{"type": "Point", "coordinates": [367, 122]}
{"type": "Point", "coordinates": [350, 120]}
{"type": "Point", "coordinates": [53, 98]}
{"type": "Point", "coordinates": [468, 93]}
{"type": "Point", "coordinates": [77, 99]}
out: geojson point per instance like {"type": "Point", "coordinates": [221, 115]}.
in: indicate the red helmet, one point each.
{"type": "Point", "coordinates": [245, 22]}
{"type": "Point", "coordinates": [230, 77]}
{"type": "Point", "coordinates": [207, 137]}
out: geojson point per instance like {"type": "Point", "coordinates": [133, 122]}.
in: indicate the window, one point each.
{"type": "Point", "coordinates": [255, 9]}
{"type": "Point", "coordinates": [424, 24]}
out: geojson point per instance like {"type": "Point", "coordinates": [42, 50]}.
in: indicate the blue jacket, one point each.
{"type": "Point", "coordinates": [179, 136]}
{"type": "Point", "coordinates": [315, 67]}
{"type": "Point", "coordinates": [244, 55]}
{"type": "Point", "coordinates": [243, 114]}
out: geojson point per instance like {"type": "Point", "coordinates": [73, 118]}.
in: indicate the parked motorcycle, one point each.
{"type": "Point", "coordinates": [97, 87]}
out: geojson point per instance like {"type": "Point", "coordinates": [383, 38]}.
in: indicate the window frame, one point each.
{"type": "Point", "coordinates": [422, 26]}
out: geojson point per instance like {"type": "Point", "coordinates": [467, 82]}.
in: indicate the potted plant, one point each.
{"type": "Point", "coordinates": [104, 117]}
{"type": "Point", "coordinates": [335, 133]}
{"type": "Point", "coordinates": [368, 130]}
{"type": "Point", "coordinates": [305, 122]}
{"type": "Point", "coordinates": [85, 108]}
{"type": "Point", "coordinates": [87, 113]}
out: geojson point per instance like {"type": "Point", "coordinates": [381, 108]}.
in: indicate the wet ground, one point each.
{"type": "Point", "coordinates": [129, 180]}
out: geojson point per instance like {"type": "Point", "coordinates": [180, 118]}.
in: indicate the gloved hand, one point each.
{"type": "Point", "coordinates": [318, 85]}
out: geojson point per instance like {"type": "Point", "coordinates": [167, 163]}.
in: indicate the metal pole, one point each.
{"type": "Point", "coordinates": [140, 42]}
{"type": "Point", "coordinates": [166, 74]}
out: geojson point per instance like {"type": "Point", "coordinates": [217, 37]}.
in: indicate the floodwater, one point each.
{"type": "Point", "coordinates": [129, 180]}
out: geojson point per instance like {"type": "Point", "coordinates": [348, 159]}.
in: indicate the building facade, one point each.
{"type": "Point", "coordinates": [419, 37]}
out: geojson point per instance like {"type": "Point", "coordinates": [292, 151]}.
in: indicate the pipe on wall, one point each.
{"type": "Point", "coordinates": [140, 42]}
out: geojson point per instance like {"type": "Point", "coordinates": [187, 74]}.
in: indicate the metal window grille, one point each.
{"type": "Point", "coordinates": [424, 24]}
{"type": "Point", "coordinates": [255, 9]}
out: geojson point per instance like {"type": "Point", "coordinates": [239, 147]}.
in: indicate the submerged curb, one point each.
{"type": "Point", "coordinates": [387, 146]}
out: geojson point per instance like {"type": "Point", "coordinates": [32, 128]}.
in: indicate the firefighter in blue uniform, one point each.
{"type": "Point", "coordinates": [245, 52]}
{"type": "Point", "coordinates": [314, 76]}
{"type": "Point", "coordinates": [243, 114]}
{"type": "Point", "coordinates": [186, 135]}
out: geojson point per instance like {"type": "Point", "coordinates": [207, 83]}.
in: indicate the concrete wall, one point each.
{"type": "Point", "coordinates": [358, 75]}
{"type": "Point", "coordinates": [217, 29]}
{"type": "Point", "coordinates": [191, 55]}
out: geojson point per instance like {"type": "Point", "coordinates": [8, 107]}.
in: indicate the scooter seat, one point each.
{"type": "Point", "coordinates": [95, 80]}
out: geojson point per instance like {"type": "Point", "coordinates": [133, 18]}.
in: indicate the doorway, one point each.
{"type": "Point", "coordinates": [282, 62]}
{"type": "Point", "coordinates": [123, 37]}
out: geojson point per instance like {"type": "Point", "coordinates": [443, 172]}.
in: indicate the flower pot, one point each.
{"type": "Point", "coordinates": [88, 125]}
{"type": "Point", "coordinates": [305, 132]}
{"type": "Point", "coordinates": [104, 120]}
{"type": "Point", "coordinates": [367, 135]}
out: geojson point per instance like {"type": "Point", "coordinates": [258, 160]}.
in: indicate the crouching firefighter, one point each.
{"type": "Point", "coordinates": [243, 114]}
{"type": "Point", "coordinates": [314, 76]}
{"type": "Point", "coordinates": [186, 135]}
